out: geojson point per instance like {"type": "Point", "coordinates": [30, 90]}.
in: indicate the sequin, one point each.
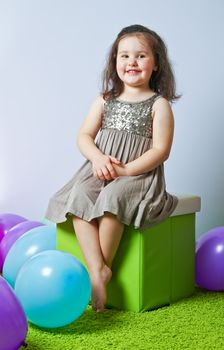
{"type": "Point", "coordinates": [133, 117]}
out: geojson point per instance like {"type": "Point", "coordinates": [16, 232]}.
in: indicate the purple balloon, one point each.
{"type": "Point", "coordinates": [13, 323]}
{"type": "Point", "coordinates": [7, 221]}
{"type": "Point", "coordinates": [209, 263]}
{"type": "Point", "coordinates": [215, 232]}
{"type": "Point", "coordinates": [13, 234]}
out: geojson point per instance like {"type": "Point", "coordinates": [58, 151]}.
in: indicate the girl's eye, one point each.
{"type": "Point", "coordinates": [141, 56]}
{"type": "Point", "coordinates": [124, 56]}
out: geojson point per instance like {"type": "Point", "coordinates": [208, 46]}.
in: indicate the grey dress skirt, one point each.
{"type": "Point", "coordinates": [140, 200]}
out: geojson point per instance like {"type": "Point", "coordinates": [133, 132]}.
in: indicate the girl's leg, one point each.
{"type": "Point", "coordinates": [87, 234]}
{"type": "Point", "coordinates": [110, 233]}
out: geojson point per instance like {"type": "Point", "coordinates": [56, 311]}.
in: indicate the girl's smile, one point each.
{"type": "Point", "coordinates": [133, 71]}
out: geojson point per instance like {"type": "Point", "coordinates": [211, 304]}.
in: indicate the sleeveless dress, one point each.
{"type": "Point", "coordinates": [140, 200]}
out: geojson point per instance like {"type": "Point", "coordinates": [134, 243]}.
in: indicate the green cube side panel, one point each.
{"type": "Point", "coordinates": [66, 240]}
{"type": "Point", "coordinates": [156, 266]}
{"type": "Point", "coordinates": [123, 291]}
{"type": "Point", "coordinates": [183, 256]}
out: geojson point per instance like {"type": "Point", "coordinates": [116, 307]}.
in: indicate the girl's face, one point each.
{"type": "Point", "coordinates": [135, 62]}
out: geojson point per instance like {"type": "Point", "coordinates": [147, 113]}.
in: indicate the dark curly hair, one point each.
{"type": "Point", "coordinates": [162, 80]}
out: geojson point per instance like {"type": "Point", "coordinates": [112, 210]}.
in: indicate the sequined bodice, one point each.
{"type": "Point", "coordinates": [134, 117]}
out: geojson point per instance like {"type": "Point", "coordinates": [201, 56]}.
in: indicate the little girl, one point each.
{"type": "Point", "coordinates": [122, 180]}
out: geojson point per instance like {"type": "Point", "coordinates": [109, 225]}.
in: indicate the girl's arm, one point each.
{"type": "Point", "coordinates": [89, 129]}
{"type": "Point", "coordinates": [102, 167]}
{"type": "Point", "coordinates": [163, 127]}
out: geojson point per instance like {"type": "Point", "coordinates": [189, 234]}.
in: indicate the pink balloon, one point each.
{"type": "Point", "coordinates": [13, 323]}
{"type": "Point", "coordinates": [7, 221]}
{"type": "Point", "coordinates": [12, 235]}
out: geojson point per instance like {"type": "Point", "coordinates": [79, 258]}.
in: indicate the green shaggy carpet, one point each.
{"type": "Point", "coordinates": [193, 323]}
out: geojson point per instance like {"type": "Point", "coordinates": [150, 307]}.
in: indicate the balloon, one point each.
{"type": "Point", "coordinates": [54, 288]}
{"type": "Point", "coordinates": [209, 262]}
{"type": "Point", "coordinates": [7, 221]}
{"type": "Point", "coordinates": [13, 323]}
{"type": "Point", "coordinates": [215, 232]}
{"type": "Point", "coordinates": [32, 242]}
{"type": "Point", "coordinates": [13, 234]}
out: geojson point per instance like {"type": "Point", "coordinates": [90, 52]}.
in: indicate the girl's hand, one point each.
{"type": "Point", "coordinates": [121, 169]}
{"type": "Point", "coordinates": [103, 169]}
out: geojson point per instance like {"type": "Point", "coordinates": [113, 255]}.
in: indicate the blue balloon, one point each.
{"type": "Point", "coordinates": [32, 242]}
{"type": "Point", "coordinates": [54, 288]}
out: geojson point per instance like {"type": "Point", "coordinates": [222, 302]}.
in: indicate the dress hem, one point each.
{"type": "Point", "coordinates": [99, 214]}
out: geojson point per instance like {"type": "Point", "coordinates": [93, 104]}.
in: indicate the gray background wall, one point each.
{"type": "Point", "coordinates": [52, 54]}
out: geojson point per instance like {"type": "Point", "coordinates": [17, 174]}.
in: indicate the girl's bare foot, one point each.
{"type": "Point", "coordinates": [99, 280]}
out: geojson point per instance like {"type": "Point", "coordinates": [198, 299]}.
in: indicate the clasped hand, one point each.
{"type": "Point", "coordinates": [106, 167]}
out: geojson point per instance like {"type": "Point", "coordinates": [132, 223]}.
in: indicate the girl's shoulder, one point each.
{"type": "Point", "coordinates": [98, 103]}
{"type": "Point", "coordinates": [99, 100]}
{"type": "Point", "coordinates": [161, 102]}
{"type": "Point", "coordinates": [161, 105]}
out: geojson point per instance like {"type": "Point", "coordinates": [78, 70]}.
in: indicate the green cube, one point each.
{"type": "Point", "coordinates": [151, 268]}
